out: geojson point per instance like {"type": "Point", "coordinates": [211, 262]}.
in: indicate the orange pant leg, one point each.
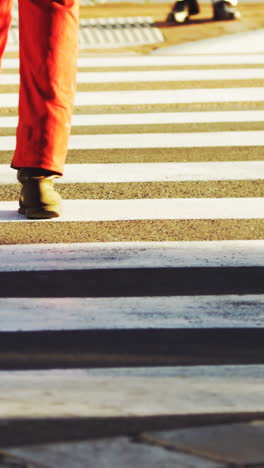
{"type": "Point", "coordinates": [48, 34]}
{"type": "Point", "coordinates": [5, 20]}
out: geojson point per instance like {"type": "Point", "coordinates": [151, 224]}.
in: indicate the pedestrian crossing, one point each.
{"type": "Point", "coordinates": [113, 313]}
{"type": "Point", "coordinates": [162, 229]}
{"type": "Point", "coordinates": [125, 210]}
{"type": "Point", "coordinates": [112, 145]}
{"type": "Point", "coordinates": [126, 149]}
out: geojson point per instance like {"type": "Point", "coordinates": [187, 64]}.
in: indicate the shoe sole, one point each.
{"type": "Point", "coordinates": [43, 213]}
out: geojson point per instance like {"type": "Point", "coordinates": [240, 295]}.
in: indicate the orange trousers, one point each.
{"type": "Point", "coordinates": [48, 36]}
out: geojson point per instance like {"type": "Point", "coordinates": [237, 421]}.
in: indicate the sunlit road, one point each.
{"type": "Point", "coordinates": [162, 226]}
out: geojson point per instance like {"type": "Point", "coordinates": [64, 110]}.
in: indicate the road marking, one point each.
{"type": "Point", "coordinates": [109, 255]}
{"type": "Point", "coordinates": [168, 96]}
{"type": "Point", "coordinates": [151, 172]}
{"type": "Point", "coordinates": [28, 395]}
{"type": "Point", "coordinates": [108, 33]}
{"type": "Point", "coordinates": [248, 42]}
{"type": "Point", "coordinates": [229, 311]}
{"type": "Point", "coordinates": [8, 122]}
{"type": "Point", "coordinates": [118, 32]}
{"type": "Point", "coordinates": [167, 117]}
{"type": "Point", "coordinates": [154, 118]}
{"type": "Point", "coordinates": [152, 60]}
{"type": "Point", "coordinates": [155, 140]}
{"type": "Point", "coordinates": [152, 76]}
{"type": "Point", "coordinates": [73, 394]}
{"type": "Point", "coordinates": [146, 209]}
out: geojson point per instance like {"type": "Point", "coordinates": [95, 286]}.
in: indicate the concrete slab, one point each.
{"type": "Point", "coordinates": [241, 444]}
{"type": "Point", "coordinates": [108, 453]}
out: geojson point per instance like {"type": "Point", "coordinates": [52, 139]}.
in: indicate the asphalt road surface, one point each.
{"type": "Point", "coordinates": [158, 256]}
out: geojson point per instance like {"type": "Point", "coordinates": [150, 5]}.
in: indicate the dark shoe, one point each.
{"type": "Point", "coordinates": [38, 199]}
{"type": "Point", "coordinates": [180, 11]}
{"type": "Point", "coordinates": [193, 7]}
{"type": "Point", "coordinates": [225, 10]}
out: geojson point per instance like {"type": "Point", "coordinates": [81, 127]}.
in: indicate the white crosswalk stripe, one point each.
{"type": "Point", "coordinates": [108, 255]}
{"type": "Point", "coordinates": [164, 60]}
{"type": "Point", "coordinates": [110, 210]}
{"type": "Point", "coordinates": [155, 140]}
{"type": "Point", "coordinates": [154, 118]}
{"type": "Point", "coordinates": [170, 96]}
{"type": "Point", "coordinates": [113, 313]}
{"type": "Point", "coordinates": [149, 76]}
{"type": "Point", "coordinates": [148, 172]}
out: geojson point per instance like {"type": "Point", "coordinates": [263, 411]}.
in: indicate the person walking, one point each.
{"type": "Point", "coordinates": [48, 47]}
{"type": "Point", "coordinates": [222, 10]}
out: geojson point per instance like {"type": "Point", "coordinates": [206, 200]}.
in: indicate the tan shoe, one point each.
{"type": "Point", "coordinates": [38, 199]}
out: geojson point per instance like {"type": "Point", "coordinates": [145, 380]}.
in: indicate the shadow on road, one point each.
{"type": "Point", "coordinates": [170, 24]}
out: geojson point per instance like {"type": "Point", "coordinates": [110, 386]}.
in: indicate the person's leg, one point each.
{"type": "Point", "coordinates": [5, 20]}
{"type": "Point", "coordinates": [48, 32]}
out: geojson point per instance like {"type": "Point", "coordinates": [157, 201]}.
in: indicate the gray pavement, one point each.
{"type": "Point", "coordinates": [105, 453]}
{"type": "Point", "coordinates": [233, 445]}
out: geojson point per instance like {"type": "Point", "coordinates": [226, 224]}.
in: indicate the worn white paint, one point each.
{"type": "Point", "coordinates": [155, 140]}
{"type": "Point", "coordinates": [146, 209]}
{"type": "Point", "coordinates": [155, 118]}
{"type": "Point", "coordinates": [8, 122]}
{"type": "Point", "coordinates": [170, 96]}
{"type": "Point", "coordinates": [167, 117]}
{"type": "Point", "coordinates": [160, 60]}
{"type": "Point", "coordinates": [151, 172]}
{"type": "Point", "coordinates": [76, 393]}
{"type": "Point", "coordinates": [156, 76]}
{"type": "Point", "coordinates": [235, 253]}
{"type": "Point", "coordinates": [230, 311]}
{"type": "Point", "coordinates": [118, 32]}
{"type": "Point", "coordinates": [167, 96]}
